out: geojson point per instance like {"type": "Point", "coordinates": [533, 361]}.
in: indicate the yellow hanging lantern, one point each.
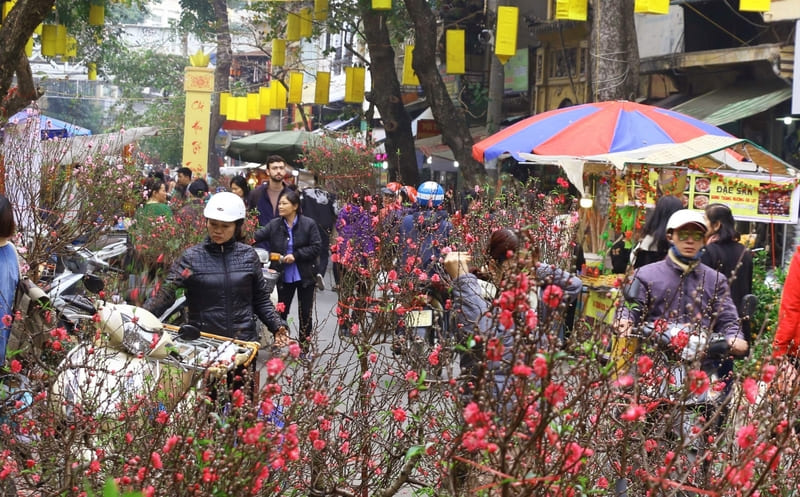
{"type": "Point", "coordinates": [92, 74]}
{"type": "Point", "coordinates": [29, 47]}
{"type": "Point", "coordinates": [279, 96]}
{"type": "Point", "coordinates": [306, 27]}
{"type": "Point", "coordinates": [265, 95]}
{"type": "Point", "coordinates": [505, 36]}
{"type": "Point", "coordinates": [755, 6]}
{"type": "Point", "coordinates": [97, 15]}
{"type": "Point", "coordinates": [240, 109]}
{"type": "Point", "coordinates": [293, 27]}
{"type": "Point", "coordinates": [7, 6]}
{"type": "Point", "coordinates": [322, 90]}
{"type": "Point", "coordinates": [455, 39]}
{"type": "Point", "coordinates": [224, 103]}
{"type": "Point", "coordinates": [71, 47]}
{"type": "Point", "coordinates": [253, 109]}
{"type": "Point", "coordinates": [295, 87]}
{"type": "Point", "coordinates": [49, 40]}
{"type": "Point", "coordinates": [381, 4]}
{"type": "Point", "coordinates": [575, 10]}
{"type": "Point", "coordinates": [354, 85]}
{"type": "Point", "coordinates": [320, 10]}
{"type": "Point", "coordinates": [61, 39]}
{"type": "Point", "coordinates": [409, 76]}
{"type": "Point", "coordinates": [278, 53]}
{"type": "Point", "coordinates": [651, 6]}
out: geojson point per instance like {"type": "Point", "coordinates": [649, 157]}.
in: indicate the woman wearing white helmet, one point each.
{"type": "Point", "coordinates": [222, 278]}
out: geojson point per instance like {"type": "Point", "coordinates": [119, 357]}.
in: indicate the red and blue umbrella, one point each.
{"type": "Point", "coordinates": [591, 129]}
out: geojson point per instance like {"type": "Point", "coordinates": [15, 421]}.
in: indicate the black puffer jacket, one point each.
{"type": "Point", "coordinates": [306, 248]}
{"type": "Point", "coordinates": [224, 287]}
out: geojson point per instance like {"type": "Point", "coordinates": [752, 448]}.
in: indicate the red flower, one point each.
{"type": "Point", "coordinates": [399, 414]}
{"type": "Point", "coordinates": [275, 366]}
{"type": "Point", "coordinates": [16, 366]}
{"type": "Point", "coordinates": [746, 436]}
{"type": "Point", "coordinates": [540, 366]}
{"type": "Point", "coordinates": [155, 460]}
{"type": "Point", "coordinates": [7, 320]}
{"type": "Point", "coordinates": [698, 382]}
{"type": "Point", "coordinates": [552, 296]}
{"type": "Point", "coordinates": [634, 412]}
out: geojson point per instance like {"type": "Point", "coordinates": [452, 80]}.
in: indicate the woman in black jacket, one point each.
{"type": "Point", "coordinates": [296, 238]}
{"type": "Point", "coordinates": [222, 278]}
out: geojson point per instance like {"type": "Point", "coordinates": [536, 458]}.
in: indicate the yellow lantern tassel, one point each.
{"type": "Point", "coordinates": [295, 87]}
{"type": "Point", "coordinates": [97, 15]}
{"type": "Point", "coordinates": [381, 4]}
{"type": "Point", "coordinates": [755, 6]}
{"type": "Point", "coordinates": [293, 27]}
{"type": "Point", "coordinates": [279, 95]}
{"type": "Point", "coordinates": [506, 33]}
{"type": "Point", "coordinates": [92, 74]}
{"type": "Point", "coordinates": [49, 40]}
{"type": "Point", "coordinates": [320, 10]}
{"type": "Point", "coordinates": [354, 85]}
{"type": "Point", "coordinates": [306, 26]}
{"type": "Point", "coordinates": [253, 107]}
{"type": "Point", "coordinates": [264, 101]}
{"type": "Point", "coordinates": [409, 76]}
{"type": "Point", "coordinates": [278, 53]}
{"type": "Point", "coordinates": [455, 39]}
{"type": "Point", "coordinates": [322, 91]}
{"type": "Point", "coordinates": [224, 103]}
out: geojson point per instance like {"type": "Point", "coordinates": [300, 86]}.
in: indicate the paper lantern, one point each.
{"type": "Point", "coordinates": [61, 39]}
{"type": "Point", "coordinates": [455, 39]}
{"type": "Point", "coordinates": [575, 10]}
{"type": "Point", "coordinates": [322, 90]}
{"type": "Point", "coordinates": [265, 98]}
{"type": "Point", "coordinates": [409, 76]}
{"type": "Point", "coordinates": [49, 40]}
{"type": "Point", "coordinates": [279, 96]}
{"type": "Point", "coordinates": [70, 47]}
{"type": "Point", "coordinates": [651, 6]}
{"type": "Point", "coordinates": [354, 84]}
{"type": "Point", "coordinates": [92, 74]}
{"type": "Point", "coordinates": [7, 6]}
{"type": "Point", "coordinates": [295, 87]}
{"type": "Point", "coordinates": [306, 27]}
{"type": "Point", "coordinates": [97, 15]}
{"type": "Point", "coordinates": [505, 45]}
{"type": "Point", "coordinates": [755, 6]}
{"type": "Point", "coordinates": [278, 53]}
{"type": "Point", "coordinates": [320, 10]}
{"type": "Point", "coordinates": [224, 102]}
{"type": "Point", "coordinates": [239, 109]}
{"type": "Point", "coordinates": [253, 108]}
{"type": "Point", "coordinates": [293, 27]}
{"type": "Point", "coordinates": [29, 48]}
{"type": "Point", "coordinates": [381, 4]}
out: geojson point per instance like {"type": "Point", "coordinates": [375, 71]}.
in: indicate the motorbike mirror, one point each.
{"type": "Point", "coordinates": [93, 283]}
{"type": "Point", "coordinates": [188, 332]}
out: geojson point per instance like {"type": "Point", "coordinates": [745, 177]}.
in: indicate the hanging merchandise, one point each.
{"type": "Point", "coordinates": [754, 5]}
{"type": "Point", "coordinates": [381, 4]}
{"type": "Point", "coordinates": [265, 98]}
{"type": "Point", "coordinates": [456, 43]}
{"type": "Point", "coordinates": [278, 53]}
{"type": "Point", "coordinates": [575, 10]}
{"type": "Point", "coordinates": [293, 27]}
{"type": "Point", "coordinates": [322, 90]}
{"type": "Point", "coordinates": [279, 95]}
{"type": "Point", "coordinates": [306, 27]}
{"type": "Point", "coordinates": [253, 109]}
{"type": "Point", "coordinates": [409, 76]}
{"type": "Point", "coordinates": [651, 7]}
{"type": "Point", "coordinates": [505, 37]}
{"type": "Point", "coordinates": [224, 100]}
{"type": "Point", "coordinates": [354, 85]}
{"type": "Point", "coordinates": [97, 15]}
{"type": "Point", "coordinates": [320, 10]}
{"type": "Point", "coordinates": [295, 87]}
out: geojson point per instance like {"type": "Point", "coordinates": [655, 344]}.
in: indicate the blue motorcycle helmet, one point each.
{"type": "Point", "coordinates": [430, 194]}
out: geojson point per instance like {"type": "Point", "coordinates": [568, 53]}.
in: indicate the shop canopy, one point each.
{"type": "Point", "coordinates": [709, 153]}
{"type": "Point", "coordinates": [49, 127]}
{"type": "Point", "coordinates": [288, 144]}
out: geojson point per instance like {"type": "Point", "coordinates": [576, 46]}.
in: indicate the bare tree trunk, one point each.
{"type": "Point", "coordinates": [221, 84]}
{"type": "Point", "coordinates": [455, 131]}
{"type": "Point", "coordinates": [615, 51]}
{"type": "Point", "coordinates": [14, 34]}
{"type": "Point", "coordinates": [494, 109]}
{"type": "Point", "coordinates": [399, 139]}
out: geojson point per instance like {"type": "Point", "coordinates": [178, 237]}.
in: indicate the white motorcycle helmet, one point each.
{"type": "Point", "coordinates": [226, 207]}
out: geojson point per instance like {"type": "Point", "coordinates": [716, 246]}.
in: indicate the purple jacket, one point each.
{"type": "Point", "coordinates": [664, 292]}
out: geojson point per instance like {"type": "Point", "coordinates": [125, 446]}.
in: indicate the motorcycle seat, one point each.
{"type": "Point", "coordinates": [79, 302]}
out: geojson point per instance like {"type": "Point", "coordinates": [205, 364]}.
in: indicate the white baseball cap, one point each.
{"type": "Point", "coordinates": [686, 217]}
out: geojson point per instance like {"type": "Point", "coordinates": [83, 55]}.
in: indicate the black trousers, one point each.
{"type": "Point", "coordinates": [305, 297]}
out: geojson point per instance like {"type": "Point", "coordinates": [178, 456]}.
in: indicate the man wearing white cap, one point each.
{"type": "Point", "coordinates": [680, 289]}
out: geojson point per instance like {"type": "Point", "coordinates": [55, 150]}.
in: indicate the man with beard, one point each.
{"type": "Point", "coordinates": [265, 197]}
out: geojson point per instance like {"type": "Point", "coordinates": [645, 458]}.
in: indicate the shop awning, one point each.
{"type": "Point", "coordinates": [732, 103]}
{"type": "Point", "coordinates": [435, 147]}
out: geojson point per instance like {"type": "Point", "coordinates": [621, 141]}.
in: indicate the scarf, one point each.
{"type": "Point", "coordinates": [687, 264]}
